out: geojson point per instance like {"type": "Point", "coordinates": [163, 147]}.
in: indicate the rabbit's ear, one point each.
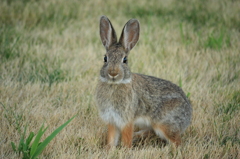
{"type": "Point", "coordinates": [130, 34]}
{"type": "Point", "coordinates": [107, 32]}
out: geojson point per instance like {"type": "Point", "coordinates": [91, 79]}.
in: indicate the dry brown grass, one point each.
{"type": "Point", "coordinates": [51, 55]}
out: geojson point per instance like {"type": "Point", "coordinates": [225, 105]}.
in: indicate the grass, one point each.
{"type": "Point", "coordinates": [30, 148]}
{"type": "Point", "coordinates": [8, 43]}
{"type": "Point", "coordinates": [51, 54]}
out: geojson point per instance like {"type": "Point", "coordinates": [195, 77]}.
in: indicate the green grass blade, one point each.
{"type": "Point", "coordinates": [24, 133]}
{"type": "Point", "coordinates": [25, 151]}
{"type": "Point", "coordinates": [13, 146]}
{"type": "Point", "coordinates": [29, 139]}
{"type": "Point", "coordinates": [36, 141]}
{"type": "Point", "coordinates": [20, 146]}
{"type": "Point", "coordinates": [49, 138]}
{"type": "Point", "coordinates": [21, 143]}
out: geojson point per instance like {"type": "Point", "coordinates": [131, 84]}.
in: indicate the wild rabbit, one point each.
{"type": "Point", "coordinates": [125, 99]}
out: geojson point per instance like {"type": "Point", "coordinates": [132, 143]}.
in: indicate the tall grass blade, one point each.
{"type": "Point", "coordinates": [13, 146]}
{"type": "Point", "coordinates": [49, 138]}
{"type": "Point", "coordinates": [29, 139]}
{"type": "Point", "coordinates": [36, 141]}
{"type": "Point", "coordinates": [20, 144]}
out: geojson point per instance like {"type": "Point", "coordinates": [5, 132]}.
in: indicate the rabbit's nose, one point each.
{"type": "Point", "coordinates": [112, 73]}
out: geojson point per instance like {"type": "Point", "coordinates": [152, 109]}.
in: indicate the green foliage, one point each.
{"type": "Point", "coordinates": [225, 136]}
{"type": "Point", "coordinates": [31, 13]}
{"type": "Point", "coordinates": [233, 139]}
{"type": "Point", "coordinates": [184, 35]}
{"type": "Point", "coordinates": [145, 12]}
{"type": "Point", "coordinates": [30, 68]}
{"type": "Point", "coordinates": [214, 42]}
{"type": "Point", "coordinates": [42, 72]}
{"type": "Point", "coordinates": [206, 156]}
{"type": "Point", "coordinates": [8, 44]}
{"type": "Point", "coordinates": [23, 146]}
{"type": "Point", "coordinates": [13, 118]}
{"type": "Point", "coordinates": [198, 14]}
{"type": "Point", "coordinates": [228, 110]}
{"type": "Point", "coordinates": [217, 41]}
{"type": "Point", "coordinates": [35, 149]}
{"type": "Point", "coordinates": [188, 94]}
{"type": "Point", "coordinates": [226, 113]}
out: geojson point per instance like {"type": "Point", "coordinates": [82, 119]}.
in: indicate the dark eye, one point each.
{"type": "Point", "coordinates": [125, 59]}
{"type": "Point", "coordinates": [105, 58]}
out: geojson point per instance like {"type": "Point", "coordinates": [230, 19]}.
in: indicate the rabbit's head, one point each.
{"type": "Point", "coordinates": [115, 69]}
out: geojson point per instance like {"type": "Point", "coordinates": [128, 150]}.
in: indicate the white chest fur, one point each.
{"type": "Point", "coordinates": [109, 115]}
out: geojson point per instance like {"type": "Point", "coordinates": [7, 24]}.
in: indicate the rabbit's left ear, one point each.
{"type": "Point", "coordinates": [130, 34]}
{"type": "Point", "coordinates": [107, 32]}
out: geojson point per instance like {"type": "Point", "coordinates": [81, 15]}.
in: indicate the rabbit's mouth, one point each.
{"type": "Point", "coordinates": [113, 77]}
{"type": "Point", "coordinates": [116, 80]}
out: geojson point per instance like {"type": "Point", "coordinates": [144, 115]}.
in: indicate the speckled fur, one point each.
{"type": "Point", "coordinates": [130, 96]}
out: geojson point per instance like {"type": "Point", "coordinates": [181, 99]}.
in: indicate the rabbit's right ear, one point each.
{"type": "Point", "coordinates": [107, 32]}
{"type": "Point", "coordinates": [130, 34]}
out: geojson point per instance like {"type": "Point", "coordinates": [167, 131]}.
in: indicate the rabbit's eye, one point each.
{"type": "Point", "coordinates": [125, 59]}
{"type": "Point", "coordinates": [105, 58]}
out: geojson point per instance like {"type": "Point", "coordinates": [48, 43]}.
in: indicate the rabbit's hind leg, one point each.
{"type": "Point", "coordinates": [143, 133]}
{"type": "Point", "coordinates": [166, 132]}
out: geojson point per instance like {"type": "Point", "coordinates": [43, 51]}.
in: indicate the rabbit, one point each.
{"type": "Point", "coordinates": [125, 99]}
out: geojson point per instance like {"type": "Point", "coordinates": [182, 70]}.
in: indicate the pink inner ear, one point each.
{"type": "Point", "coordinates": [131, 35]}
{"type": "Point", "coordinates": [107, 33]}
{"type": "Point", "coordinates": [105, 30]}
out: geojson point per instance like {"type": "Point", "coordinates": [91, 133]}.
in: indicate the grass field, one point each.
{"type": "Point", "coordinates": [51, 54]}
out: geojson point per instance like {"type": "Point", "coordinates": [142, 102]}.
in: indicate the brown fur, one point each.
{"type": "Point", "coordinates": [111, 135]}
{"type": "Point", "coordinates": [174, 137]}
{"type": "Point", "coordinates": [127, 135]}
